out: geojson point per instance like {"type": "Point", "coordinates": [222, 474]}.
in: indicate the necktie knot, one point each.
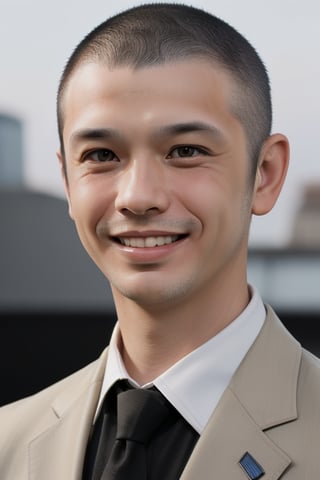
{"type": "Point", "coordinates": [140, 413]}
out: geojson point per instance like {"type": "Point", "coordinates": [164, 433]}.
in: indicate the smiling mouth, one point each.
{"type": "Point", "coordinates": [149, 242]}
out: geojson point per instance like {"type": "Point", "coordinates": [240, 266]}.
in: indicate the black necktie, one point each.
{"type": "Point", "coordinates": [138, 435]}
{"type": "Point", "coordinates": [139, 415]}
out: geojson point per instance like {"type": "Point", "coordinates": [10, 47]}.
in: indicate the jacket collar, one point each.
{"type": "Point", "coordinates": [261, 395]}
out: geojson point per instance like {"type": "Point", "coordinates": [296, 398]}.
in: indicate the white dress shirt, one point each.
{"type": "Point", "coordinates": [195, 384]}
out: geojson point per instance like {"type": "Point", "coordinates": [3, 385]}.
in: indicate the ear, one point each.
{"type": "Point", "coordinates": [63, 171]}
{"type": "Point", "coordinates": [271, 173]}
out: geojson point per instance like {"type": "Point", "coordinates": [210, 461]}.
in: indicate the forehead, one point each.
{"type": "Point", "coordinates": [192, 88]}
{"type": "Point", "coordinates": [183, 75]}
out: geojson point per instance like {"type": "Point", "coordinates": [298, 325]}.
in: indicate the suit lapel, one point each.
{"type": "Point", "coordinates": [261, 395]}
{"type": "Point", "coordinates": [57, 452]}
{"type": "Point", "coordinates": [230, 434]}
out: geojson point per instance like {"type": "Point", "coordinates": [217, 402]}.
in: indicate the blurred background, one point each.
{"type": "Point", "coordinates": [56, 309]}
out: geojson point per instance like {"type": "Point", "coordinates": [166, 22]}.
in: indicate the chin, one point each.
{"type": "Point", "coordinates": [156, 294]}
{"type": "Point", "coordinates": [147, 297]}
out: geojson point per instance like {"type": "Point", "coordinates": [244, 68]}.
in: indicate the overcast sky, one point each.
{"type": "Point", "coordinates": [36, 38]}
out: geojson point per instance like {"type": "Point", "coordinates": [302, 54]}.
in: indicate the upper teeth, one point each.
{"type": "Point", "coordinates": [148, 241]}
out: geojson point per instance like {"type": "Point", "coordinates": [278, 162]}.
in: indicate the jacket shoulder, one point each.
{"type": "Point", "coordinates": [20, 420]}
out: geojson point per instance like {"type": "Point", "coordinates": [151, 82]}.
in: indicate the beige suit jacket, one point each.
{"type": "Point", "coordinates": [271, 409]}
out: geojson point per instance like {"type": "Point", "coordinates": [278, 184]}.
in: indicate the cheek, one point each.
{"type": "Point", "coordinates": [202, 193]}
{"type": "Point", "coordinates": [90, 200]}
{"type": "Point", "coordinates": [218, 202]}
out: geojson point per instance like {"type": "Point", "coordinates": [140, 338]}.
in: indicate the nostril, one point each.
{"type": "Point", "coordinates": [136, 210]}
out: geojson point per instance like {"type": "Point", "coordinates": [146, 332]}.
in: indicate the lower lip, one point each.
{"type": "Point", "coordinates": [150, 254]}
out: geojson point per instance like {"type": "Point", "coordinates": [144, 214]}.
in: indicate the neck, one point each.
{"type": "Point", "coordinates": [153, 338]}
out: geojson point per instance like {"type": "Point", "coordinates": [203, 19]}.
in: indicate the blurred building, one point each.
{"type": "Point", "coordinates": [11, 151]}
{"type": "Point", "coordinates": [306, 228]}
{"type": "Point", "coordinates": [290, 277]}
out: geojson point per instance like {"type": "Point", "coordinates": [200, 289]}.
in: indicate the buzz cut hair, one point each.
{"type": "Point", "coordinates": [159, 33]}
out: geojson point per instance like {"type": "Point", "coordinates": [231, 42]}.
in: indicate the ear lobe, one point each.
{"type": "Point", "coordinates": [271, 173]}
{"type": "Point", "coordinates": [64, 179]}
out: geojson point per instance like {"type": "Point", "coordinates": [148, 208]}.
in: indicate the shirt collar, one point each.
{"type": "Point", "coordinates": [195, 384]}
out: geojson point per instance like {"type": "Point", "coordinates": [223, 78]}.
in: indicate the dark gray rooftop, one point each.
{"type": "Point", "coordinates": [43, 265]}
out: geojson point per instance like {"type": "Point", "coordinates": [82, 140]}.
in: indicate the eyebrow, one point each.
{"type": "Point", "coordinates": [87, 134]}
{"type": "Point", "coordinates": [189, 127]}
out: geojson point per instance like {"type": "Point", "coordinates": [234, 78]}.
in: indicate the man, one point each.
{"type": "Point", "coordinates": [166, 151]}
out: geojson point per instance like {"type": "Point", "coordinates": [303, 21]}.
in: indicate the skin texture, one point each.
{"type": "Point", "coordinates": [157, 152]}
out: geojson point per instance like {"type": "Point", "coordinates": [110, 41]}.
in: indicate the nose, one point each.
{"type": "Point", "coordinates": [142, 188]}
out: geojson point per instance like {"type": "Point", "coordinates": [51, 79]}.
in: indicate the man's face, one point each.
{"type": "Point", "coordinates": [158, 174]}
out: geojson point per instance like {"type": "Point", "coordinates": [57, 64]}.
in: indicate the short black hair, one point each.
{"type": "Point", "coordinates": [158, 33]}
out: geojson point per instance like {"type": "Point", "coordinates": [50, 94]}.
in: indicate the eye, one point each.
{"type": "Point", "coordinates": [101, 155]}
{"type": "Point", "coordinates": [186, 151]}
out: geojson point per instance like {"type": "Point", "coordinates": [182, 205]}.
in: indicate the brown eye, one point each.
{"type": "Point", "coordinates": [186, 151]}
{"type": "Point", "coordinates": [101, 155]}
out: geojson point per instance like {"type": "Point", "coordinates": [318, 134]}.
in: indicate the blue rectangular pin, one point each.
{"type": "Point", "coordinates": [251, 467]}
